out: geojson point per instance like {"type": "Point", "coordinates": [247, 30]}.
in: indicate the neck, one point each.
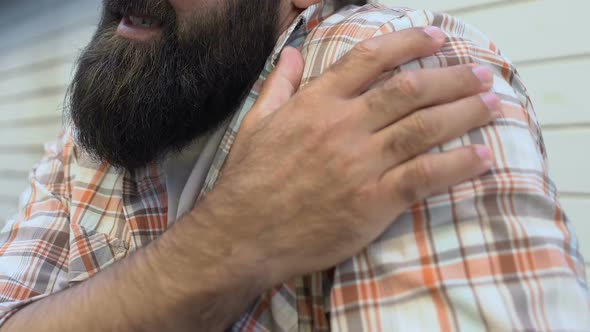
{"type": "Point", "coordinates": [288, 14]}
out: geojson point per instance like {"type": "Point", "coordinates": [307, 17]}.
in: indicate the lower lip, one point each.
{"type": "Point", "coordinates": [126, 29]}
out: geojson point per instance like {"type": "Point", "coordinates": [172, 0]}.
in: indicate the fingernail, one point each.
{"type": "Point", "coordinates": [484, 153]}
{"type": "Point", "coordinates": [435, 33]}
{"type": "Point", "coordinates": [492, 101]}
{"type": "Point", "coordinates": [483, 74]}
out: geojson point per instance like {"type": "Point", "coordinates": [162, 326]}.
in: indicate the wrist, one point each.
{"type": "Point", "coordinates": [196, 261]}
{"type": "Point", "coordinates": [226, 238]}
{"type": "Point", "coordinates": [245, 234]}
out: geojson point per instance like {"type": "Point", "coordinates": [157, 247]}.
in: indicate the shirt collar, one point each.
{"type": "Point", "coordinates": [306, 20]}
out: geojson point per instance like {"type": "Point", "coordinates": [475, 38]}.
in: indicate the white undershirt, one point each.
{"type": "Point", "coordinates": [186, 172]}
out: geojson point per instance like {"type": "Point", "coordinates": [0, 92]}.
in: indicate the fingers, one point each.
{"type": "Point", "coordinates": [281, 84]}
{"type": "Point", "coordinates": [406, 92]}
{"type": "Point", "coordinates": [434, 173]}
{"type": "Point", "coordinates": [423, 130]}
{"type": "Point", "coordinates": [370, 58]}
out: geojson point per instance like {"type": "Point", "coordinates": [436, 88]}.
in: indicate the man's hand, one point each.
{"type": "Point", "coordinates": [311, 184]}
{"type": "Point", "coordinates": [305, 187]}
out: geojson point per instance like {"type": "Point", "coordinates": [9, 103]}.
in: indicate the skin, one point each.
{"type": "Point", "coordinates": [289, 11]}
{"type": "Point", "coordinates": [245, 236]}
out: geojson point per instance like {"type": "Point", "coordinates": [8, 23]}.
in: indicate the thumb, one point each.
{"type": "Point", "coordinates": [281, 84]}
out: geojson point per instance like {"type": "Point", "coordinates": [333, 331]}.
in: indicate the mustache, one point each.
{"type": "Point", "coordinates": [132, 103]}
{"type": "Point", "coordinates": [157, 9]}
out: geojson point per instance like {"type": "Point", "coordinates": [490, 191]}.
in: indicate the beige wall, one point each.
{"type": "Point", "coordinates": [545, 38]}
{"type": "Point", "coordinates": [39, 41]}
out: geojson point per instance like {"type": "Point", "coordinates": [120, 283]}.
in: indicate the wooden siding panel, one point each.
{"type": "Point", "coordinates": [550, 28]}
{"type": "Point", "coordinates": [62, 18]}
{"type": "Point", "coordinates": [548, 31]}
{"type": "Point", "coordinates": [19, 162]}
{"type": "Point", "coordinates": [569, 159]}
{"type": "Point", "coordinates": [559, 91]}
{"type": "Point", "coordinates": [11, 190]}
{"type": "Point", "coordinates": [446, 5]}
{"type": "Point", "coordinates": [27, 136]}
{"type": "Point", "coordinates": [62, 47]}
{"type": "Point", "coordinates": [58, 74]}
{"type": "Point", "coordinates": [28, 110]}
{"type": "Point", "coordinates": [577, 211]}
{"type": "Point", "coordinates": [7, 210]}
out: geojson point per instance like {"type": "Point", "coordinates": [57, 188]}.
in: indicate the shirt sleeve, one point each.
{"type": "Point", "coordinates": [496, 253]}
{"type": "Point", "coordinates": [34, 245]}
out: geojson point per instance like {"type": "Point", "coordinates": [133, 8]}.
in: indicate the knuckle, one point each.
{"type": "Point", "coordinates": [304, 101]}
{"type": "Point", "coordinates": [319, 130]}
{"type": "Point", "coordinates": [404, 146]}
{"type": "Point", "coordinates": [423, 171]}
{"type": "Point", "coordinates": [406, 85]}
{"type": "Point", "coordinates": [374, 102]}
{"type": "Point", "coordinates": [365, 51]}
{"type": "Point", "coordinates": [407, 190]}
{"type": "Point", "coordinates": [326, 129]}
{"type": "Point", "coordinates": [463, 77]}
{"type": "Point", "coordinates": [414, 182]}
{"type": "Point", "coordinates": [350, 163]}
{"type": "Point", "coordinates": [412, 136]}
{"type": "Point", "coordinates": [346, 166]}
{"type": "Point", "coordinates": [419, 133]}
{"type": "Point", "coordinates": [421, 125]}
{"type": "Point", "coordinates": [307, 96]}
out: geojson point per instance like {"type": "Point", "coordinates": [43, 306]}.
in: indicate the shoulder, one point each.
{"type": "Point", "coordinates": [356, 23]}
{"type": "Point", "coordinates": [330, 38]}
{"type": "Point", "coordinates": [59, 155]}
{"type": "Point", "coordinates": [63, 163]}
{"type": "Point", "coordinates": [518, 133]}
{"type": "Point", "coordinates": [333, 36]}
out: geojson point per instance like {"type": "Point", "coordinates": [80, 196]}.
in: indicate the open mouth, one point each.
{"type": "Point", "coordinates": [139, 27]}
{"type": "Point", "coordinates": [143, 21]}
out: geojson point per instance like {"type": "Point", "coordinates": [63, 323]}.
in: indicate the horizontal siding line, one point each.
{"type": "Point", "coordinates": [38, 121]}
{"type": "Point", "coordinates": [551, 60]}
{"type": "Point", "coordinates": [9, 73]}
{"type": "Point", "coordinates": [35, 105]}
{"type": "Point", "coordinates": [565, 126]}
{"type": "Point", "coordinates": [486, 6]}
{"type": "Point", "coordinates": [6, 74]}
{"type": "Point", "coordinates": [12, 174]}
{"type": "Point", "coordinates": [8, 200]}
{"type": "Point", "coordinates": [38, 9]}
{"type": "Point", "coordinates": [34, 93]}
{"type": "Point", "coordinates": [575, 195]}
{"type": "Point", "coordinates": [21, 148]}
{"type": "Point", "coordinates": [51, 34]}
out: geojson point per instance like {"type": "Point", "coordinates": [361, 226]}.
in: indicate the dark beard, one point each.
{"type": "Point", "coordinates": [132, 103]}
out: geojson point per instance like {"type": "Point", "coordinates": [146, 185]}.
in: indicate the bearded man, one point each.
{"type": "Point", "coordinates": [390, 175]}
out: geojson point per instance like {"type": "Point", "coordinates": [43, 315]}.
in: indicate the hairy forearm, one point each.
{"type": "Point", "coordinates": [182, 281]}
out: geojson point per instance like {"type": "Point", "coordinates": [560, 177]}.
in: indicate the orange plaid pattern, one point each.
{"type": "Point", "coordinates": [496, 253]}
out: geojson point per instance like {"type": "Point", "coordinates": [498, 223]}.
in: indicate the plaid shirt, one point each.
{"type": "Point", "coordinates": [496, 253]}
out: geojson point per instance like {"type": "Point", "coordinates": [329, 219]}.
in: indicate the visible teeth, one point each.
{"type": "Point", "coordinates": [144, 22]}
